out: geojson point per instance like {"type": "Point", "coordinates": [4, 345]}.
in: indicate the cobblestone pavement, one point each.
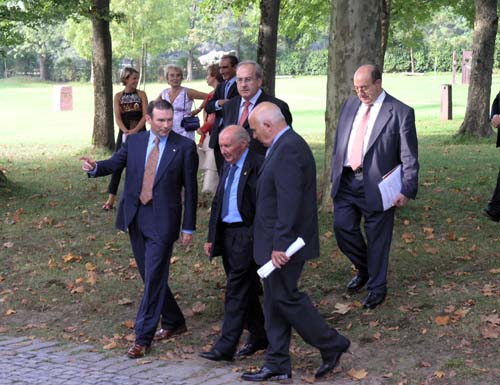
{"type": "Point", "coordinates": [26, 361]}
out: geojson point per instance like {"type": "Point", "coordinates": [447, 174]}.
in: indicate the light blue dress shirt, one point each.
{"type": "Point", "coordinates": [233, 214]}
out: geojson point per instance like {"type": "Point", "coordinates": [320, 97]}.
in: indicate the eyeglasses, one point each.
{"type": "Point", "coordinates": [245, 80]}
{"type": "Point", "coordinates": [360, 89]}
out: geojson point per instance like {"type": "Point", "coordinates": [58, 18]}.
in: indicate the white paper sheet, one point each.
{"type": "Point", "coordinates": [268, 268]}
{"type": "Point", "coordinates": [390, 187]}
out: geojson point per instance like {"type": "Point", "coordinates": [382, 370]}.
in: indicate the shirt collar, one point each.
{"type": "Point", "coordinates": [279, 135]}
{"type": "Point", "coordinates": [253, 100]}
{"type": "Point", "coordinates": [240, 161]}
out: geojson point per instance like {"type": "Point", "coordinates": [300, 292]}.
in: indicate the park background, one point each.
{"type": "Point", "coordinates": [67, 274]}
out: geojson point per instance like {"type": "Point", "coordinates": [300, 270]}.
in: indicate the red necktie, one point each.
{"type": "Point", "coordinates": [356, 157]}
{"type": "Point", "coordinates": [244, 114]}
{"type": "Point", "coordinates": [149, 174]}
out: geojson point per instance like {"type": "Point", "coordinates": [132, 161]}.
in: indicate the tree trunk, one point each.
{"type": "Point", "coordinates": [476, 121]}
{"type": "Point", "coordinates": [268, 42]}
{"type": "Point", "coordinates": [355, 36]}
{"type": "Point", "coordinates": [42, 66]}
{"type": "Point", "coordinates": [386, 13]}
{"type": "Point", "coordinates": [103, 135]}
{"type": "Point", "coordinates": [412, 61]}
{"type": "Point", "coordinates": [189, 65]}
{"type": "Point", "coordinates": [3, 178]}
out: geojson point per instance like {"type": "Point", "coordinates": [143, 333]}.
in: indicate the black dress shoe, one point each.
{"type": "Point", "coordinates": [250, 348]}
{"type": "Point", "coordinates": [265, 374]}
{"type": "Point", "coordinates": [357, 283]}
{"type": "Point", "coordinates": [493, 215]}
{"type": "Point", "coordinates": [215, 355]}
{"type": "Point", "coordinates": [330, 364]}
{"type": "Point", "coordinates": [374, 299]}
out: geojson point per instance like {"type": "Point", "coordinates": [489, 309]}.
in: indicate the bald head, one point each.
{"type": "Point", "coordinates": [233, 141]}
{"type": "Point", "coordinates": [368, 83]}
{"type": "Point", "coordinates": [266, 121]}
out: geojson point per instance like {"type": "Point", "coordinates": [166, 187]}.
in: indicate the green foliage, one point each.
{"type": "Point", "coordinates": [316, 63]}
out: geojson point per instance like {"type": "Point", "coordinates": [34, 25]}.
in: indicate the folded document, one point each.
{"type": "Point", "coordinates": [268, 268]}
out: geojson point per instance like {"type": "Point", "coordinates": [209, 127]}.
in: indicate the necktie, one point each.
{"type": "Point", "coordinates": [226, 89]}
{"type": "Point", "coordinates": [227, 191]}
{"type": "Point", "coordinates": [356, 158]}
{"type": "Point", "coordinates": [244, 113]}
{"type": "Point", "coordinates": [149, 174]}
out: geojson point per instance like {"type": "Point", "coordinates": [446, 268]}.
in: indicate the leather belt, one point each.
{"type": "Point", "coordinates": [233, 225]}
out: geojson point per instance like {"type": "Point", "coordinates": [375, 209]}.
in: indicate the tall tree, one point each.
{"type": "Point", "coordinates": [268, 42]}
{"type": "Point", "coordinates": [355, 39]}
{"type": "Point", "coordinates": [476, 121]}
{"type": "Point", "coordinates": [103, 133]}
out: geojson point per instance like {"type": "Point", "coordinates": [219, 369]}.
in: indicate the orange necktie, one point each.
{"type": "Point", "coordinates": [356, 158]}
{"type": "Point", "coordinates": [149, 174]}
{"type": "Point", "coordinates": [244, 114]}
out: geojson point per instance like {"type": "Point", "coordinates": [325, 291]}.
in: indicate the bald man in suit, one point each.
{"type": "Point", "coordinates": [375, 133]}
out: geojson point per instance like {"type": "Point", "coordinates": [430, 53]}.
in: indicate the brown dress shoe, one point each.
{"type": "Point", "coordinates": [138, 351]}
{"type": "Point", "coordinates": [165, 334]}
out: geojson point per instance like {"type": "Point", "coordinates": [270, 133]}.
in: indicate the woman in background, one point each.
{"type": "Point", "coordinates": [130, 107]}
{"type": "Point", "coordinates": [181, 98]}
{"type": "Point", "coordinates": [205, 153]}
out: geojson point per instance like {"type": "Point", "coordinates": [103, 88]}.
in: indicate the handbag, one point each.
{"type": "Point", "coordinates": [189, 123]}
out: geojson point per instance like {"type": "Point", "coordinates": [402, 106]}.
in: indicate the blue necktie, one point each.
{"type": "Point", "coordinates": [226, 89]}
{"type": "Point", "coordinates": [227, 191]}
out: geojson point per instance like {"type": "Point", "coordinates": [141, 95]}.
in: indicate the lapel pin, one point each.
{"type": "Point", "coordinates": [245, 173]}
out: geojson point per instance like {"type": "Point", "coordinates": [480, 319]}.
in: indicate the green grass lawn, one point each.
{"type": "Point", "coordinates": [66, 272]}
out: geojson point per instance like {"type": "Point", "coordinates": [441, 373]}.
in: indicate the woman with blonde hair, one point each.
{"type": "Point", "coordinates": [130, 107]}
{"type": "Point", "coordinates": [181, 99]}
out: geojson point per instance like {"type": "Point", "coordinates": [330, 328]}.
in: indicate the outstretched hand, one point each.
{"type": "Point", "coordinates": [88, 164]}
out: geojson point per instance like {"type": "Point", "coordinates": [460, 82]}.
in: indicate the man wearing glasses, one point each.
{"type": "Point", "coordinates": [237, 110]}
{"type": "Point", "coordinates": [375, 134]}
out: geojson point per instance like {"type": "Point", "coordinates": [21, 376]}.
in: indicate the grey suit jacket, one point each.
{"type": "Point", "coordinates": [393, 141]}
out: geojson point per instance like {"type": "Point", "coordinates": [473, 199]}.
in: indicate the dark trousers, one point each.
{"type": "Point", "coordinates": [152, 255]}
{"type": "Point", "coordinates": [494, 204]}
{"type": "Point", "coordinates": [116, 176]}
{"type": "Point", "coordinates": [370, 256]}
{"type": "Point", "coordinates": [241, 303]}
{"type": "Point", "coordinates": [286, 307]}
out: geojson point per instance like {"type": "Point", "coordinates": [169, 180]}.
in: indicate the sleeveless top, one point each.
{"type": "Point", "coordinates": [130, 108]}
{"type": "Point", "coordinates": [182, 107]}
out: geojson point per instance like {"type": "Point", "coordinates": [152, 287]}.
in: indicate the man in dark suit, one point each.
{"type": "Point", "coordinates": [230, 234]}
{"type": "Point", "coordinates": [492, 211]}
{"type": "Point", "coordinates": [286, 209]}
{"type": "Point", "coordinates": [237, 110]}
{"type": "Point", "coordinates": [160, 165]}
{"type": "Point", "coordinates": [223, 92]}
{"type": "Point", "coordinates": [375, 133]}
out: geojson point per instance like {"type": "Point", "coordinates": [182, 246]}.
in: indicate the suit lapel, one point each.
{"type": "Point", "coordinates": [169, 152]}
{"type": "Point", "coordinates": [243, 178]}
{"type": "Point", "coordinates": [346, 125]}
{"type": "Point", "coordinates": [383, 117]}
{"type": "Point", "coordinates": [141, 158]}
{"type": "Point", "coordinates": [273, 150]}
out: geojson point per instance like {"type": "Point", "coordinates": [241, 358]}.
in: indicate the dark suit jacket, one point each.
{"type": "Point", "coordinates": [177, 170]}
{"type": "Point", "coordinates": [393, 141]}
{"type": "Point", "coordinates": [246, 200]}
{"type": "Point", "coordinates": [210, 108]}
{"type": "Point", "coordinates": [231, 111]}
{"type": "Point", "coordinates": [495, 110]}
{"type": "Point", "coordinates": [286, 201]}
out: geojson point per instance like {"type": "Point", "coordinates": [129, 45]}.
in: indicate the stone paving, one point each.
{"type": "Point", "coordinates": [31, 361]}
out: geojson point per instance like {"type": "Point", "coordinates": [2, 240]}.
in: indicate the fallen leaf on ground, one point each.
{"type": "Point", "coordinates": [91, 277]}
{"type": "Point", "coordinates": [357, 374]}
{"type": "Point", "coordinates": [10, 312]}
{"type": "Point", "coordinates": [70, 257]}
{"type": "Point", "coordinates": [173, 260]}
{"type": "Point", "coordinates": [493, 319]}
{"type": "Point", "coordinates": [439, 374]}
{"type": "Point", "coordinates": [408, 237]}
{"type": "Point", "coordinates": [129, 324]}
{"type": "Point", "coordinates": [125, 301]}
{"type": "Point", "coordinates": [495, 271]}
{"type": "Point", "coordinates": [90, 266]}
{"type": "Point", "coordinates": [111, 345]}
{"type": "Point", "coordinates": [198, 307]}
{"type": "Point", "coordinates": [328, 234]}
{"type": "Point", "coordinates": [307, 380]}
{"type": "Point", "coordinates": [489, 332]}
{"type": "Point", "coordinates": [342, 308]}
{"type": "Point", "coordinates": [8, 245]}
{"type": "Point", "coordinates": [442, 320]}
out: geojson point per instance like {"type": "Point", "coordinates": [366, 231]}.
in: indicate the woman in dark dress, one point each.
{"type": "Point", "coordinates": [130, 107]}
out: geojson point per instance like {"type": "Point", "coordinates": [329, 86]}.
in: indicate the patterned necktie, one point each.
{"type": "Point", "coordinates": [149, 174]}
{"type": "Point", "coordinates": [227, 190]}
{"type": "Point", "coordinates": [244, 113]}
{"type": "Point", "coordinates": [356, 158]}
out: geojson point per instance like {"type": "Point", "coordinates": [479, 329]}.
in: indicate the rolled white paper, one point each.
{"type": "Point", "coordinates": [268, 268]}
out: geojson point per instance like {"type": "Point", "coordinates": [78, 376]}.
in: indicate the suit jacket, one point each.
{"type": "Point", "coordinates": [286, 200]}
{"type": "Point", "coordinates": [393, 141]}
{"type": "Point", "coordinates": [231, 111]}
{"type": "Point", "coordinates": [495, 110]}
{"type": "Point", "coordinates": [247, 187]}
{"type": "Point", "coordinates": [176, 171]}
{"type": "Point", "coordinates": [210, 108]}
